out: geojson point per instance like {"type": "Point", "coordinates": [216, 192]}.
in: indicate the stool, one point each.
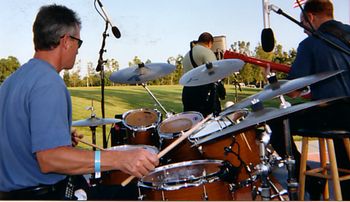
{"type": "Point", "coordinates": [324, 137]}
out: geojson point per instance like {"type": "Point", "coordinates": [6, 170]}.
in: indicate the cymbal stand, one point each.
{"type": "Point", "coordinates": [292, 182]}
{"type": "Point", "coordinates": [92, 128]}
{"type": "Point", "coordinates": [168, 114]}
{"type": "Point", "coordinates": [264, 169]}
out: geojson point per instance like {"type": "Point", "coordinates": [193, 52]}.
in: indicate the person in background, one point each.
{"type": "Point", "coordinates": [37, 159]}
{"type": "Point", "coordinates": [314, 55]}
{"type": "Point", "coordinates": [202, 98]}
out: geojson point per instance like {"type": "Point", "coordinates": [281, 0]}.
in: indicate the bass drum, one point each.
{"type": "Point", "coordinates": [170, 130]}
{"type": "Point", "coordinates": [190, 180]}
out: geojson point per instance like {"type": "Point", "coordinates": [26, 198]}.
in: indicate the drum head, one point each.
{"type": "Point", "coordinates": [149, 148]}
{"type": "Point", "coordinates": [141, 119]}
{"type": "Point", "coordinates": [184, 174]}
{"type": "Point", "coordinates": [177, 123]}
{"type": "Point", "coordinates": [181, 124]}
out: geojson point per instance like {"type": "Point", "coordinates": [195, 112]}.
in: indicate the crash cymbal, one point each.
{"type": "Point", "coordinates": [94, 121]}
{"type": "Point", "coordinates": [261, 116]}
{"type": "Point", "coordinates": [211, 72]}
{"type": "Point", "coordinates": [280, 88]}
{"type": "Point", "coordinates": [142, 73]}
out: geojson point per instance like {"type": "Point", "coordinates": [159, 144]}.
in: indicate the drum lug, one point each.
{"type": "Point", "coordinates": [205, 195]}
{"type": "Point", "coordinates": [200, 149]}
{"type": "Point", "coordinates": [141, 196]}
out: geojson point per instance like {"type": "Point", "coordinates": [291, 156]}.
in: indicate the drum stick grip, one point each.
{"type": "Point", "coordinates": [173, 144]}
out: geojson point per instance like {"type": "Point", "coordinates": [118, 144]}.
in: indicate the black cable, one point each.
{"type": "Point", "coordinates": [99, 11]}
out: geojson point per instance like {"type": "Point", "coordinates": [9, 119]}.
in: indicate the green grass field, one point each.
{"type": "Point", "coordinates": [120, 99]}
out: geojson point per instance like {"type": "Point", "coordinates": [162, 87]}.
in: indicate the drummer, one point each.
{"type": "Point", "coordinates": [37, 159]}
{"type": "Point", "coordinates": [314, 56]}
{"type": "Point", "coordinates": [201, 98]}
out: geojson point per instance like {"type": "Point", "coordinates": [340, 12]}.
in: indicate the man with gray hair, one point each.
{"type": "Point", "coordinates": [37, 158]}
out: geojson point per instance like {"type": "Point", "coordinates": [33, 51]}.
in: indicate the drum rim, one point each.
{"type": "Point", "coordinates": [143, 128]}
{"type": "Point", "coordinates": [138, 146]}
{"type": "Point", "coordinates": [168, 186]}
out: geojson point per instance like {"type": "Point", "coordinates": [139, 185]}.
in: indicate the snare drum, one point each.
{"type": "Point", "coordinates": [116, 177]}
{"type": "Point", "coordinates": [170, 129]}
{"type": "Point", "coordinates": [189, 180]}
{"type": "Point", "coordinates": [142, 125]}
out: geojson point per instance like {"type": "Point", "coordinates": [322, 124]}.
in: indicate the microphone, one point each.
{"type": "Point", "coordinates": [267, 37]}
{"type": "Point", "coordinates": [115, 30]}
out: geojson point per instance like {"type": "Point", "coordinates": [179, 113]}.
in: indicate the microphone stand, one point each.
{"type": "Point", "coordinates": [314, 33]}
{"type": "Point", "coordinates": [100, 67]}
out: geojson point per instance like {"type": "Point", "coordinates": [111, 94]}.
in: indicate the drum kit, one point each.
{"type": "Point", "coordinates": [220, 157]}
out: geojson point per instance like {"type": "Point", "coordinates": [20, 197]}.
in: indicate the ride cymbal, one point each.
{"type": "Point", "coordinates": [261, 116]}
{"type": "Point", "coordinates": [280, 88]}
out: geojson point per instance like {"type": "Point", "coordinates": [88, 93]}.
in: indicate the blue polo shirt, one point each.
{"type": "Point", "coordinates": [35, 115]}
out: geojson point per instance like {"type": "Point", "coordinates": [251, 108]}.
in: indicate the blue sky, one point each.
{"type": "Point", "coordinates": [154, 29]}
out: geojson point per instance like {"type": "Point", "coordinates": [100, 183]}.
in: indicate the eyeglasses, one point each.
{"type": "Point", "coordinates": [80, 42]}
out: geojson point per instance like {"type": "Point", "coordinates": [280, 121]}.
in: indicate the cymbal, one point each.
{"type": "Point", "coordinates": [142, 73]}
{"type": "Point", "coordinates": [95, 121]}
{"type": "Point", "coordinates": [211, 72]}
{"type": "Point", "coordinates": [261, 116]}
{"type": "Point", "coordinates": [280, 88]}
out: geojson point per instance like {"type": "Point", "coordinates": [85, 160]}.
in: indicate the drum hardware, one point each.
{"type": "Point", "coordinates": [167, 114]}
{"type": "Point", "coordinates": [263, 169]}
{"type": "Point", "coordinates": [292, 182]}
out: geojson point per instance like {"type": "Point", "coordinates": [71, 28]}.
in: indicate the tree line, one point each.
{"type": "Point", "coordinates": [249, 74]}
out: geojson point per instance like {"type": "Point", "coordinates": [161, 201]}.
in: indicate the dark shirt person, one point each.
{"type": "Point", "coordinates": [35, 119]}
{"type": "Point", "coordinates": [314, 56]}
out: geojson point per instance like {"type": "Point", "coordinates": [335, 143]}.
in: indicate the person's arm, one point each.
{"type": "Point", "coordinates": [73, 161]}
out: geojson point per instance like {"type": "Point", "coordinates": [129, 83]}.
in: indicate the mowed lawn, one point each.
{"type": "Point", "coordinates": [120, 99]}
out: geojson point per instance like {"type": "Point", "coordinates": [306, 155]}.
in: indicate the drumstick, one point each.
{"type": "Point", "coordinates": [245, 139]}
{"type": "Point", "coordinates": [173, 144]}
{"type": "Point", "coordinates": [90, 144]}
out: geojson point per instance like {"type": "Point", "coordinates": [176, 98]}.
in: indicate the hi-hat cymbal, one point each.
{"type": "Point", "coordinates": [142, 73]}
{"type": "Point", "coordinates": [280, 88]}
{"type": "Point", "coordinates": [94, 121]}
{"type": "Point", "coordinates": [261, 116]}
{"type": "Point", "coordinates": [211, 72]}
